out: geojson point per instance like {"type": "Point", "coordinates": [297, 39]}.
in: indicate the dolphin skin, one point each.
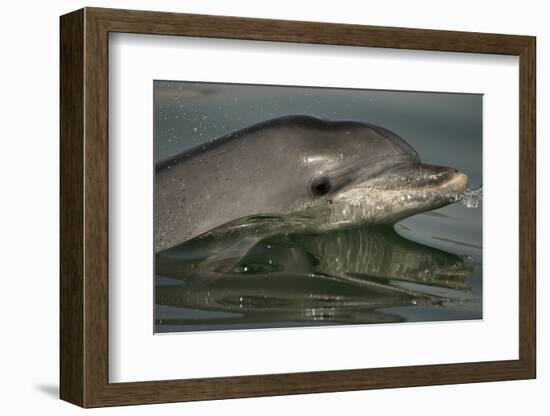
{"type": "Point", "coordinates": [331, 174]}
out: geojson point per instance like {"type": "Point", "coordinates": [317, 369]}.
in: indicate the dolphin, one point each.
{"type": "Point", "coordinates": [325, 174]}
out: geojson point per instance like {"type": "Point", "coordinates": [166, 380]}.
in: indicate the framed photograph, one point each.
{"type": "Point", "coordinates": [255, 207]}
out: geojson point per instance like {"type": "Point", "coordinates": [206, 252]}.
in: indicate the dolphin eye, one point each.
{"type": "Point", "coordinates": [320, 186]}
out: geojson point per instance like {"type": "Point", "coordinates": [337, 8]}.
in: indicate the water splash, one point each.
{"type": "Point", "coordinates": [472, 197]}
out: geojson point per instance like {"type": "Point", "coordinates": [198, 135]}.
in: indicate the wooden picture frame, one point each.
{"type": "Point", "coordinates": [84, 207]}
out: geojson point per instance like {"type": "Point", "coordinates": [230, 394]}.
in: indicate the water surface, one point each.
{"type": "Point", "coordinates": [244, 275]}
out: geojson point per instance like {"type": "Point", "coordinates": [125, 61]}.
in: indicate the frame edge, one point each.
{"type": "Point", "coordinates": [84, 147]}
{"type": "Point", "coordinates": [72, 298]}
{"type": "Point", "coordinates": [528, 208]}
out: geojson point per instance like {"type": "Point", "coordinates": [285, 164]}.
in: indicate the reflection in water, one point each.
{"type": "Point", "coordinates": [252, 276]}
{"type": "Point", "coordinates": [231, 280]}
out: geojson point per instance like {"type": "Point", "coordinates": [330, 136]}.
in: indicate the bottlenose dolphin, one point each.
{"type": "Point", "coordinates": [330, 174]}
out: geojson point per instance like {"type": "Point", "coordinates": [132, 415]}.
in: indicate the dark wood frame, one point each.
{"type": "Point", "coordinates": [84, 208]}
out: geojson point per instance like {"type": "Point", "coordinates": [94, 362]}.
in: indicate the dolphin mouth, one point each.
{"type": "Point", "coordinates": [422, 177]}
{"type": "Point", "coordinates": [397, 194]}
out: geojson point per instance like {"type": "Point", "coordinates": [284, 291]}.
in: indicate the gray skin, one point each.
{"type": "Point", "coordinates": [337, 174]}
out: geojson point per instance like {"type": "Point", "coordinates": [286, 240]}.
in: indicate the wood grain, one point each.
{"type": "Point", "coordinates": [71, 100]}
{"type": "Point", "coordinates": [84, 207]}
{"type": "Point", "coordinates": [527, 208]}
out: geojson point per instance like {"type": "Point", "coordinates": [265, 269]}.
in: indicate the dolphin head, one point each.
{"type": "Point", "coordinates": [302, 170]}
{"type": "Point", "coordinates": [397, 193]}
{"type": "Point", "coordinates": [362, 173]}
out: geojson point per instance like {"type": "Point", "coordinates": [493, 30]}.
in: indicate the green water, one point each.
{"type": "Point", "coordinates": [425, 268]}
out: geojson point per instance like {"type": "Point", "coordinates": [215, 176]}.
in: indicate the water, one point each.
{"type": "Point", "coordinates": [267, 271]}
{"type": "Point", "coordinates": [472, 197]}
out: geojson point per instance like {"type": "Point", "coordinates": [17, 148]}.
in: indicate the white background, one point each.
{"type": "Point", "coordinates": [136, 355]}
{"type": "Point", "coordinates": [29, 217]}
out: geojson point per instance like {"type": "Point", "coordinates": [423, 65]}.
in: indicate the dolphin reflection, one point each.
{"type": "Point", "coordinates": [346, 276]}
